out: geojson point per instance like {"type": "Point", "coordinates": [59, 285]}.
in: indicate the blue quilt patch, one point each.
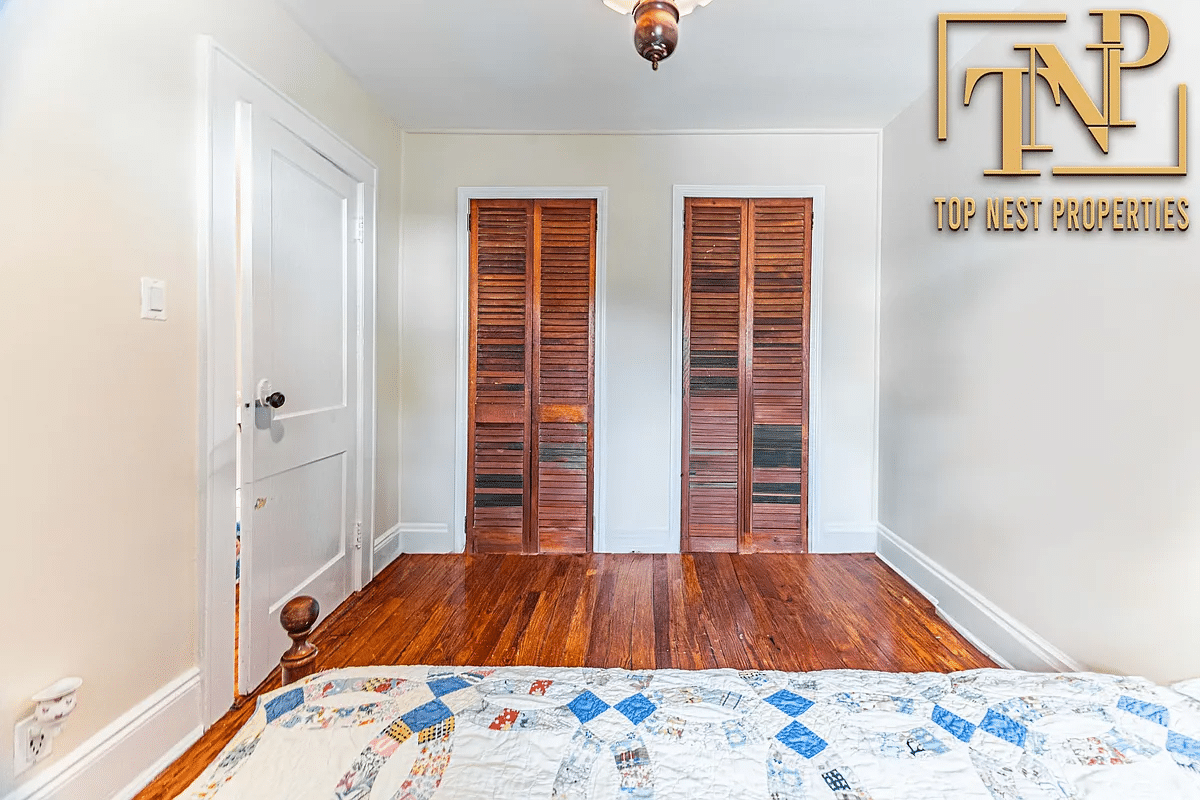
{"type": "Point", "coordinates": [279, 706]}
{"type": "Point", "coordinates": [636, 708]}
{"type": "Point", "coordinates": [956, 725]}
{"type": "Point", "coordinates": [790, 703]}
{"type": "Point", "coordinates": [431, 713]}
{"type": "Point", "coordinates": [1004, 728]}
{"type": "Point", "coordinates": [836, 781]}
{"type": "Point", "coordinates": [444, 686]}
{"type": "Point", "coordinates": [802, 740]}
{"type": "Point", "coordinates": [1183, 745]}
{"type": "Point", "coordinates": [587, 707]}
{"type": "Point", "coordinates": [1147, 711]}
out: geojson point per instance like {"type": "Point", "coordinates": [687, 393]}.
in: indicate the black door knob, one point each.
{"type": "Point", "coordinates": [276, 400]}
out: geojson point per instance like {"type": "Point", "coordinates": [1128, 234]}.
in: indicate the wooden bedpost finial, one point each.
{"type": "Point", "coordinates": [298, 617]}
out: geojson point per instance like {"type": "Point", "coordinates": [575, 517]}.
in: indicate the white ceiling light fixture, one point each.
{"type": "Point", "coordinates": [656, 24]}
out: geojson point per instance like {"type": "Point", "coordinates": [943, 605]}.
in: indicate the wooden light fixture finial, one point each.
{"type": "Point", "coordinates": [656, 29]}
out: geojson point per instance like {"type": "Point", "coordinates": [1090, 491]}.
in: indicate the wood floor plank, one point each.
{"type": "Point", "coordinates": [694, 607]}
{"type": "Point", "coordinates": [864, 645]}
{"type": "Point", "coordinates": [774, 645]}
{"type": "Point", "coordinates": [786, 612]}
{"type": "Point", "coordinates": [423, 644]}
{"type": "Point", "coordinates": [894, 636]}
{"type": "Point", "coordinates": [582, 617]}
{"type": "Point", "coordinates": [600, 625]}
{"type": "Point", "coordinates": [919, 611]}
{"type": "Point", "coordinates": [660, 600]}
{"type": "Point", "coordinates": [491, 607]}
{"type": "Point", "coordinates": [719, 622]}
{"type": "Point", "coordinates": [530, 592]}
{"type": "Point", "coordinates": [803, 624]}
{"type": "Point", "coordinates": [750, 628]}
{"type": "Point", "coordinates": [552, 651]}
{"type": "Point", "coordinates": [529, 645]}
{"type": "Point", "coordinates": [642, 652]}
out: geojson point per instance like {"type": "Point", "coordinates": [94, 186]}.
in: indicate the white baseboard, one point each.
{"type": "Point", "coordinates": [1003, 638]}
{"type": "Point", "coordinates": [860, 537]}
{"type": "Point", "coordinates": [641, 540]}
{"type": "Point", "coordinates": [426, 537]}
{"type": "Point", "coordinates": [385, 549]}
{"type": "Point", "coordinates": [122, 758]}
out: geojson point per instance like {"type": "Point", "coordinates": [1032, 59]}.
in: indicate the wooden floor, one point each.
{"type": "Point", "coordinates": [786, 612]}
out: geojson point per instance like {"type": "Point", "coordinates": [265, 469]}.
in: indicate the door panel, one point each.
{"type": "Point", "coordinates": [563, 375]}
{"type": "Point", "coordinates": [300, 477]}
{"type": "Point", "coordinates": [312, 496]}
{"type": "Point", "coordinates": [530, 434]}
{"type": "Point", "coordinates": [745, 390]}
{"type": "Point", "coordinates": [778, 319]}
{"type": "Point", "coordinates": [502, 256]}
{"type": "Point", "coordinates": [308, 309]}
{"type": "Point", "coordinates": [711, 396]}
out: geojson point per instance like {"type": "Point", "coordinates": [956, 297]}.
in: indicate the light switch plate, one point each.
{"type": "Point", "coordinates": [154, 299]}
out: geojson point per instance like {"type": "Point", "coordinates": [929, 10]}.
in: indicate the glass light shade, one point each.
{"type": "Point", "coordinates": [685, 6]}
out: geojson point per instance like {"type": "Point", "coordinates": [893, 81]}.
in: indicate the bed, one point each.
{"type": "Point", "coordinates": [531, 732]}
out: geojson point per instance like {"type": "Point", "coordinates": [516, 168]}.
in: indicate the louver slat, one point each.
{"type": "Point", "coordinates": [781, 241]}
{"type": "Point", "coordinates": [713, 262]}
{"type": "Point", "coordinates": [501, 260]}
{"type": "Point", "coordinates": [563, 374]}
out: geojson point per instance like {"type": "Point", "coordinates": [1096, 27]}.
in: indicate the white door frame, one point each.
{"type": "Point", "coordinates": [231, 90]}
{"type": "Point", "coordinates": [462, 288]}
{"type": "Point", "coordinates": [816, 281]}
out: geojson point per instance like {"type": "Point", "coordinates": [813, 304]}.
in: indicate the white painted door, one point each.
{"type": "Point", "coordinates": [301, 488]}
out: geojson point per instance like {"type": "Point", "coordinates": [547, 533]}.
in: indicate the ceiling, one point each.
{"type": "Point", "coordinates": [569, 65]}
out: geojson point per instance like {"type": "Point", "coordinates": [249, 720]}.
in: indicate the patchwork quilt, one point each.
{"type": "Point", "coordinates": [529, 732]}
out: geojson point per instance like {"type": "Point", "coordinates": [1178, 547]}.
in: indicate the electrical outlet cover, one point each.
{"type": "Point", "coordinates": [30, 745]}
{"type": "Point", "coordinates": [21, 755]}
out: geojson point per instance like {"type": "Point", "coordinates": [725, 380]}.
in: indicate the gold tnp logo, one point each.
{"type": "Point", "coordinates": [1046, 63]}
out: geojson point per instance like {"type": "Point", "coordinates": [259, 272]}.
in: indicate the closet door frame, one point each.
{"type": "Point", "coordinates": [462, 380]}
{"type": "Point", "coordinates": [681, 195]}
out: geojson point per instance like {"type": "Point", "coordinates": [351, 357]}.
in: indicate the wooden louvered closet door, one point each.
{"type": "Point", "coordinates": [745, 383]}
{"type": "Point", "coordinates": [532, 385]}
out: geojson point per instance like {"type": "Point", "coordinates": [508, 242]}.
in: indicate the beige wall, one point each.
{"type": "Point", "coordinates": [100, 125]}
{"type": "Point", "coordinates": [639, 172]}
{"type": "Point", "coordinates": [1039, 433]}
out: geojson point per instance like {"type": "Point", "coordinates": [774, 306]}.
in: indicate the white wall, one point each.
{"type": "Point", "coordinates": [639, 172]}
{"type": "Point", "coordinates": [100, 128]}
{"type": "Point", "coordinates": [1039, 433]}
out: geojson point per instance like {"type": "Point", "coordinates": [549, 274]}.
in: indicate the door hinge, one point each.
{"type": "Point", "coordinates": [358, 536]}
{"type": "Point", "coordinates": [360, 230]}
{"type": "Point", "coordinates": [468, 220]}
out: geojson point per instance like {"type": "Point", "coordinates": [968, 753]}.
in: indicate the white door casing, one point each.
{"type": "Point", "coordinates": [325, 192]}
